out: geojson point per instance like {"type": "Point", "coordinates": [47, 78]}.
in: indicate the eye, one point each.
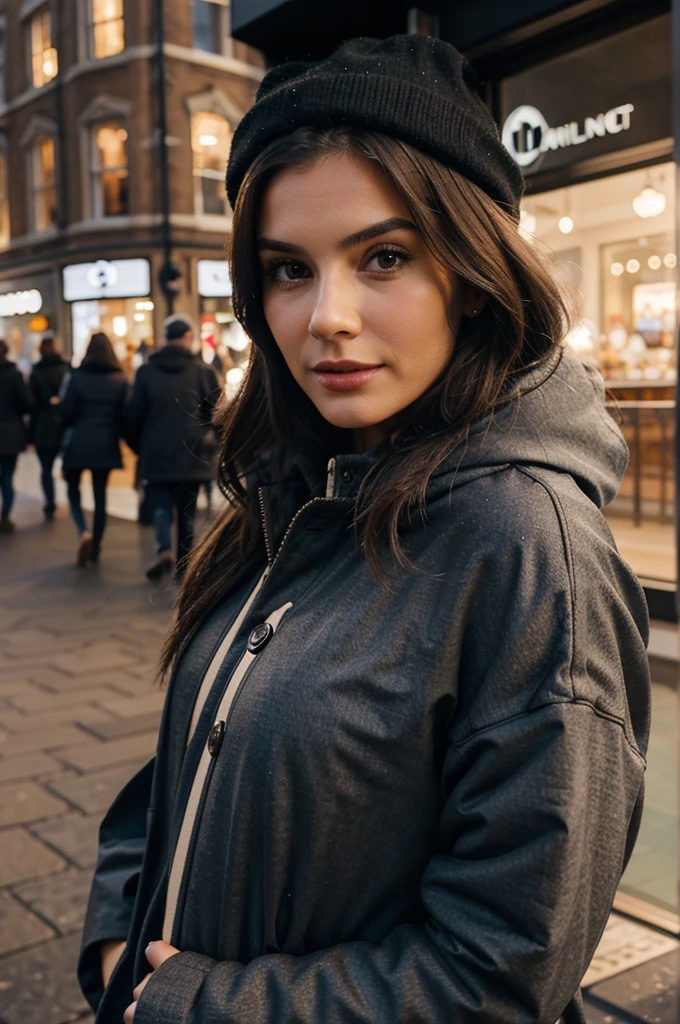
{"type": "Point", "coordinates": [286, 271]}
{"type": "Point", "coordinates": [387, 260]}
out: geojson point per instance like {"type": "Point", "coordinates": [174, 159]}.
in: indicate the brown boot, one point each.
{"type": "Point", "coordinates": [165, 563]}
{"type": "Point", "coordinates": [84, 552]}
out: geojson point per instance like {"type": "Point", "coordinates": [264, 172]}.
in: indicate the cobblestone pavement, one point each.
{"type": "Point", "coordinates": [79, 712]}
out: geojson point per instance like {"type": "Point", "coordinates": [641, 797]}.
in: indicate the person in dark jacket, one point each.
{"type": "Point", "coordinates": [168, 421]}
{"type": "Point", "coordinates": [15, 403]}
{"type": "Point", "coordinates": [91, 406]}
{"type": "Point", "coordinates": [401, 762]}
{"type": "Point", "coordinates": [47, 428]}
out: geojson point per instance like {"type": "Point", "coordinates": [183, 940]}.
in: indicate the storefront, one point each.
{"type": "Point", "coordinates": [223, 341]}
{"type": "Point", "coordinates": [28, 309]}
{"type": "Point", "coordinates": [112, 296]}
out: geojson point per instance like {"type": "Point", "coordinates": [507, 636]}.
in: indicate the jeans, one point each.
{"type": "Point", "coordinates": [162, 499]}
{"type": "Point", "coordinates": [47, 457]}
{"type": "Point", "coordinates": [99, 480]}
{"type": "Point", "coordinates": [8, 463]}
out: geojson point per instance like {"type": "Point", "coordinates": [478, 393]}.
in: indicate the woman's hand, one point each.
{"type": "Point", "coordinates": [156, 953]}
{"type": "Point", "coordinates": [111, 952]}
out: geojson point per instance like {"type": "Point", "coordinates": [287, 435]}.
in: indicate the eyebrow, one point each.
{"type": "Point", "coordinates": [365, 235]}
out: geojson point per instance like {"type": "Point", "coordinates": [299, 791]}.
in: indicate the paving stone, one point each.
{"type": "Point", "coordinates": [101, 755]}
{"type": "Point", "coordinates": [95, 658]}
{"type": "Point", "coordinates": [27, 801]}
{"type": "Point", "coordinates": [74, 837]}
{"type": "Point", "coordinates": [39, 986]}
{"type": "Point", "coordinates": [19, 927]}
{"type": "Point", "coordinates": [18, 688]}
{"type": "Point", "coordinates": [117, 727]}
{"type": "Point", "coordinates": [595, 1015]}
{"type": "Point", "coordinates": [45, 702]}
{"type": "Point", "coordinates": [24, 766]}
{"type": "Point", "coordinates": [96, 791]}
{"type": "Point", "coordinates": [23, 857]}
{"type": "Point", "coordinates": [61, 899]}
{"type": "Point", "coordinates": [650, 992]}
{"type": "Point", "coordinates": [122, 680]}
{"type": "Point", "coordinates": [18, 722]}
{"type": "Point", "coordinates": [42, 739]}
{"type": "Point", "coordinates": [130, 708]}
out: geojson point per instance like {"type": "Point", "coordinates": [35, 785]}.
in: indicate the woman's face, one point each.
{"type": "Point", "coordinates": [362, 312]}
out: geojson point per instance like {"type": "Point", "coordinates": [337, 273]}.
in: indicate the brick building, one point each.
{"type": "Point", "coordinates": [83, 234]}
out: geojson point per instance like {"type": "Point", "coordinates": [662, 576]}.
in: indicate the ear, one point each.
{"type": "Point", "coordinates": [474, 301]}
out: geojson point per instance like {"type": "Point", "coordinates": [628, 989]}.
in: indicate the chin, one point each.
{"type": "Point", "coordinates": [346, 419]}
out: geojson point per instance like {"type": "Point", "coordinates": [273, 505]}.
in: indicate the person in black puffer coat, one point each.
{"type": "Point", "coordinates": [168, 423]}
{"type": "Point", "coordinates": [15, 402]}
{"type": "Point", "coordinates": [47, 428]}
{"type": "Point", "coordinates": [92, 403]}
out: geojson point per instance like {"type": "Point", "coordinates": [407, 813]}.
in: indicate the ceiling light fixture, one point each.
{"type": "Point", "coordinates": [632, 266]}
{"type": "Point", "coordinates": [566, 225]}
{"type": "Point", "coordinates": [654, 262]}
{"type": "Point", "coordinates": [617, 269]}
{"type": "Point", "coordinates": [649, 202]}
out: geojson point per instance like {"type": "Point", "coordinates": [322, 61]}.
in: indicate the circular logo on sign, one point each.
{"type": "Point", "coordinates": [102, 274]}
{"type": "Point", "coordinates": [522, 133]}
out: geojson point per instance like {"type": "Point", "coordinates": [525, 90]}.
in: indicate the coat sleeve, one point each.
{"type": "Point", "coordinates": [135, 411]}
{"type": "Point", "coordinates": [122, 838]}
{"type": "Point", "coordinates": [69, 400]}
{"type": "Point", "coordinates": [541, 791]}
{"type": "Point", "coordinates": [21, 397]}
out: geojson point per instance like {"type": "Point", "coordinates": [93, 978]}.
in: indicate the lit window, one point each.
{"type": "Point", "coordinates": [109, 169]}
{"type": "Point", "coordinates": [210, 141]}
{"type": "Point", "coordinates": [3, 56]}
{"type": "Point", "coordinates": [108, 28]}
{"type": "Point", "coordinates": [43, 184]}
{"type": "Point", "coordinates": [211, 27]}
{"type": "Point", "coordinates": [4, 203]}
{"type": "Point", "coordinates": [44, 60]}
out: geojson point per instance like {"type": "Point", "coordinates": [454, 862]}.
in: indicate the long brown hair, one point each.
{"type": "Point", "coordinates": [523, 321]}
{"type": "Point", "coordinates": [100, 354]}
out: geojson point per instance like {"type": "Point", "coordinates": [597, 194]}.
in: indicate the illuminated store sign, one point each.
{"type": "Point", "coordinates": [107, 279]}
{"type": "Point", "coordinates": [526, 133]}
{"type": "Point", "coordinates": [20, 303]}
{"type": "Point", "coordinates": [213, 279]}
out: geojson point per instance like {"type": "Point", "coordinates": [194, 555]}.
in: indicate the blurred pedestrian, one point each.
{"type": "Point", "coordinates": [92, 407]}
{"type": "Point", "coordinates": [47, 427]}
{"type": "Point", "coordinates": [15, 403]}
{"type": "Point", "coordinates": [168, 422]}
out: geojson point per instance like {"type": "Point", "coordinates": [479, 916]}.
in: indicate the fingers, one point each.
{"type": "Point", "coordinates": [129, 1015]}
{"type": "Point", "coordinates": [158, 952]}
{"type": "Point", "coordinates": [140, 988]}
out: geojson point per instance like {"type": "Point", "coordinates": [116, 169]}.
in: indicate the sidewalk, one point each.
{"type": "Point", "coordinates": [79, 713]}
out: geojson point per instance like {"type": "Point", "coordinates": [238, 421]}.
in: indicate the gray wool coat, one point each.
{"type": "Point", "coordinates": [402, 804]}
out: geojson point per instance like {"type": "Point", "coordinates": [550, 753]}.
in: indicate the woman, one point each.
{"type": "Point", "coordinates": [47, 428]}
{"type": "Point", "coordinates": [401, 761]}
{"type": "Point", "coordinates": [92, 407]}
{"type": "Point", "coordinates": [15, 403]}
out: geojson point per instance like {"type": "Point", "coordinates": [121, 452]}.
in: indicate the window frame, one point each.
{"type": "Point", "coordinates": [96, 172]}
{"type": "Point", "coordinates": [34, 188]}
{"type": "Point", "coordinates": [4, 194]}
{"type": "Point", "coordinates": [226, 42]}
{"type": "Point", "coordinates": [3, 59]}
{"type": "Point", "coordinates": [198, 174]}
{"type": "Point", "coordinates": [91, 25]}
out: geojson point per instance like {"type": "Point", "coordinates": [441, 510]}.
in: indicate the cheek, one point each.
{"type": "Point", "coordinates": [288, 320]}
{"type": "Point", "coordinates": [417, 322]}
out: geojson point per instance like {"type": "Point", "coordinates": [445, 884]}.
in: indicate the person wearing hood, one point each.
{"type": "Point", "coordinates": [168, 422]}
{"type": "Point", "coordinates": [15, 403]}
{"type": "Point", "coordinates": [400, 767]}
{"type": "Point", "coordinates": [47, 428]}
{"type": "Point", "coordinates": [91, 406]}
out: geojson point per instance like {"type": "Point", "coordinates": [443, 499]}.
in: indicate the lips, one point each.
{"type": "Point", "coordinates": [344, 375]}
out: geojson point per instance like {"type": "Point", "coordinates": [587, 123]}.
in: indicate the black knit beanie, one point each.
{"type": "Point", "coordinates": [414, 88]}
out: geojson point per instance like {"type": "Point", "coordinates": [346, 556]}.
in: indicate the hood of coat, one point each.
{"type": "Point", "coordinates": [50, 360]}
{"type": "Point", "coordinates": [172, 359]}
{"type": "Point", "coordinates": [557, 421]}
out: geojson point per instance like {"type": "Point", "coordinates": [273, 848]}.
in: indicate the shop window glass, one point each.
{"type": "Point", "coordinates": [43, 184]}
{"type": "Point", "coordinates": [110, 192]}
{"type": "Point", "coordinates": [44, 61]}
{"type": "Point", "coordinates": [210, 141]}
{"type": "Point", "coordinates": [4, 203]}
{"type": "Point", "coordinates": [107, 30]}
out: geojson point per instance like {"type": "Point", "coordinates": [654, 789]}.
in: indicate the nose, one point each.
{"type": "Point", "coordinates": [336, 310]}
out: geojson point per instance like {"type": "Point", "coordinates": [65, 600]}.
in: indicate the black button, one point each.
{"type": "Point", "coordinates": [215, 739]}
{"type": "Point", "coordinates": [260, 637]}
{"type": "Point", "coordinates": [347, 476]}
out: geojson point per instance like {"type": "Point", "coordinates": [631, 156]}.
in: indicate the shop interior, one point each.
{"type": "Point", "coordinates": [613, 241]}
